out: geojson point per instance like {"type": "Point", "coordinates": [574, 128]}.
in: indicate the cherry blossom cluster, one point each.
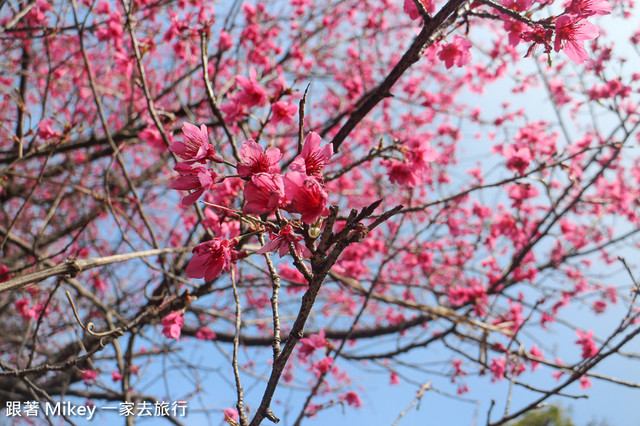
{"type": "Point", "coordinates": [571, 28]}
{"type": "Point", "coordinates": [570, 32]}
{"type": "Point", "coordinates": [301, 190]}
{"type": "Point", "coordinates": [506, 248]}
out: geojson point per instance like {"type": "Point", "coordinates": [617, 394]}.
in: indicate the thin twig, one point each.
{"type": "Point", "coordinates": [236, 341]}
{"type": "Point", "coordinates": [418, 397]}
{"type": "Point", "coordinates": [303, 102]}
{"type": "Point", "coordinates": [213, 103]}
{"type": "Point", "coordinates": [275, 282]}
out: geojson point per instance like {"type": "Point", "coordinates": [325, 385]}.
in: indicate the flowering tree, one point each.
{"type": "Point", "coordinates": [259, 191]}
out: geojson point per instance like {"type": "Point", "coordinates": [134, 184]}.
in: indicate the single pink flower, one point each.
{"type": "Point", "coordinates": [585, 383]}
{"type": "Point", "coordinates": [230, 413]}
{"type": "Point", "coordinates": [401, 173]}
{"type": "Point", "coordinates": [585, 8]}
{"type": "Point", "coordinates": [518, 159]}
{"type": "Point", "coordinates": [312, 159]}
{"type": "Point", "coordinates": [307, 196]}
{"type": "Point", "coordinates": [457, 368]}
{"type": "Point", "coordinates": [498, 368]}
{"type": "Point", "coordinates": [4, 273]}
{"type": "Point", "coordinates": [421, 155]}
{"type": "Point", "coordinates": [233, 110]}
{"type": "Point", "coordinates": [89, 376]}
{"type": "Point", "coordinates": [571, 32]}
{"type": "Point", "coordinates": [45, 129]}
{"type": "Point", "coordinates": [536, 353]}
{"type": "Point", "coordinates": [537, 35]}
{"type": "Point", "coordinates": [196, 146]}
{"type": "Point", "coordinates": [256, 160]}
{"type": "Point", "coordinates": [352, 399]}
{"type": "Point", "coordinates": [589, 348]}
{"type": "Point", "coordinates": [204, 333]}
{"type": "Point", "coordinates": [457, 52]}
{"type": "Point", "coordinates": [251, 93]}
{"type": "Point", "coordinates": [519, 192]}
{"type": "Point", "coordinates": [411, 9]}
{"type": "Point", "coordinates": [311, 343]}
{"type": "Point", "coordinates": [27, 312]}
{"type": "Point", "coordinates": [394, 379]}
{"type": "Point", "coordinates": [226, 42]}
{"type": "Point", "coordinates": [103, 8]}
{"type": "Point", "coordinates": [264, 193]}
{"type": "Point", "coordinates": [283, 112]}
{"type": "Point", "coordinates": [282, 242]}
{"type": "Point", "coordinates": [198, 179]}
{"type": "Point", "coordinates": [152, 137]}
{"type": "Point", "coordinates": [210, 258]}
{"type": "Point", "coordinates": [116, 376]}
{"type": "Point", "coordinates": [322, 367]}
{"type": "Point", "coordinates": [172, 325]}
{"type": "Point", "coordinates": [514, 28]}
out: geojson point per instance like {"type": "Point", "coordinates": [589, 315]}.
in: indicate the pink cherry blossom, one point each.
{"type": "Point", "coordinates": [4, 273]}
{"type": "Point", "coordinates": [116, 376]}
{"type": "Point", "coordinates": [394, 379]}
{"type": "Point", "coordinates": [411, 9]}
{"type": "Point", "coordinates": [536, 353]}
{"type": "Point", "coordinates": [89, 376]}
{"type": "Point", "coordinates": [521, 191]}
{"type": "Point", "coordinates": [322, 367]}
{"type": "Point", "coordinates": [256, 160]}
{"type": "Point", "coordinates": [233, 110]}
{"type": "Point", "coordinates": [205, 333]}
{"type": "Point", "coordinates": [27, 312]}
{"type": "Point", "coordinates": [585, 383]}
{"type": "Point", "coordinates": [196, 146]}
{"type": "Point", "coordinates": [402, 173]}
{"type": "Point", "coordinates": [197, 179]}
{"type": "Point", "coordinates": [312, 343]}
{"type": "Point", "coordinates": [421, 155]}
{"type": "Point", "coordinates": [251, 93]}
{"type": "Point", "coordinates": [457, 52]}
{"type": "Point", "coordinates": [210, 258]}
{"type": "Point", "coordinates": [514, 28]}
{"type": "Point", "coordinates": [283, 112]}
{"type": "Point", "coordinates": [518, 159]}
{"type": "Point", "coordinates": [352, 399]}
{"type": "Point", "coordinates": [172, 325]}
{"type": "Point", "coordinates": [571, 32]}
{"type": "Point", "coordinates": [231, 413]}
{"type": "Point", "coordinates": [45, 130]}
{"type": "Point", "coordinates": [585, 8]}
{"type": "Point", "coordinates": [312, 158]}
{"type": "Point", "coordinates": [498, 368]}
{"type": "Point", "coordinates": [283, 241]}
{"type": "Point", "coordinates": [306, 196]}
{"type": "Point", "coordinates": [538, 35]}
{"type": "Point", "coordinates": [589, 348]}
{"type": "Point", "coordinates": [152, 137]}
{"type": "Point", "coordinates": [113, 29]}
{"type": "Point", "coordinates": [264, 193]}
